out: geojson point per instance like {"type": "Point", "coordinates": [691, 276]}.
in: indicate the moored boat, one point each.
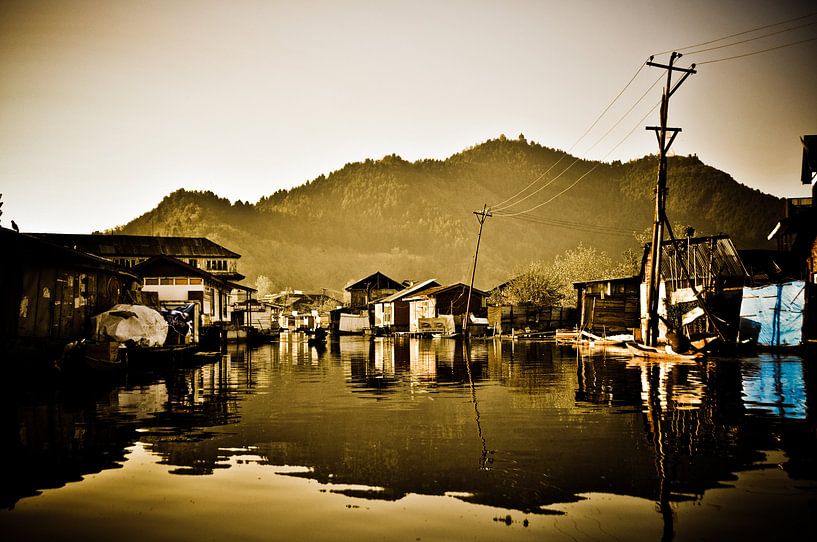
{"type": "Point", "coordinates": [653, 352]}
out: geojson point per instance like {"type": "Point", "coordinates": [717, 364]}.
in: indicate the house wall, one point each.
{"type": "Point", "coordinates": [57, 303]}
{"type": "Point", "coordinates": [506, 318]}
{"type": "Point", "coordinates": [213, 300]}
{"type": "Point", "coordinates": [609, 306]}
{"type": "Point", "coordinates": [421, 308]}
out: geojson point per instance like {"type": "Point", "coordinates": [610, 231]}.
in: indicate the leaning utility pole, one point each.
{"type": "Point", "coordinates": [654, 272]}
{"type": "Point", "coordinates": [481, 216]}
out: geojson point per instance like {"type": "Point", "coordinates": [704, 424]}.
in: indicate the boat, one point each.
{"type": "Point", "coordinates": [318, 338]}
{"type": "Point", "coordinates": [445, 335]}
{"type": "Point", "coordinates": [567, 335]}
{"type": "Point", "coordinates": [666, 353]}
{"type": "Point", "coordinates": [606, 340]}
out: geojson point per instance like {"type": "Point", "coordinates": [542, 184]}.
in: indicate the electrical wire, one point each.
{"type": "Point", "coordinates": [499, 205]}
{"type": "Point", "coordinates": [755, 52]}
{"type": "Point", "coordinates": [569, 187]}
{"type": "Point", "coordinates": [750, 39]}
{"type": "Point", "coordinates": [500, 209]}
{"type": "Point", "coordinates": [739, 34]}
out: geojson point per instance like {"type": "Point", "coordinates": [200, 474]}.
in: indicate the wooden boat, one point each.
{"type": "Point", "coordinates": [666, 353]}
{"type": "Point", "coordinates": [318, 338]}
{"type": "Point", "coordinates": [567, 335]}
{"type": "Point", "coordinates": [607, 340]}
{"type": "Point", "coordinates": [445, 335]}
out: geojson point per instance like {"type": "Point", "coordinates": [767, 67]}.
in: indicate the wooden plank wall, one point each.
{"type": "Point", "coordinates": [619, 312]}
{"type": "Point", "coordinates": [59, 303]}
{"type": "Point", "coordinates": [521, 317]}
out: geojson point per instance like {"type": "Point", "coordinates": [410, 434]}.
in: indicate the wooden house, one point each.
{"type": "Point", "coordinates": [49, 292]}
{"type": "Point", "coordinates": [177, 283]}
{"type": "Point", "coordinates": [445, 300]}
{"type": "Point", "coordinates": [368, 289]}
{"type": "Point", "coordinates": [392, 313]}
{"type": "Point", "coordinates": [609, 305]}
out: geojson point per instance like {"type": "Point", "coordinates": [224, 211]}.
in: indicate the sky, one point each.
{"type": "Point", "coordinates": [108, 106]}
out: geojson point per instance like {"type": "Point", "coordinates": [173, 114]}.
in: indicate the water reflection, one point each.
{"type": "Point", "coordinates": [521, 426]}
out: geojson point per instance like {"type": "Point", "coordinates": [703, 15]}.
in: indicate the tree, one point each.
{"type": "Point", "coordinates": [264, 285]}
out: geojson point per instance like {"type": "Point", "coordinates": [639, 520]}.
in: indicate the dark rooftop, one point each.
{"type": "Point", "coordinates": [140, 245]}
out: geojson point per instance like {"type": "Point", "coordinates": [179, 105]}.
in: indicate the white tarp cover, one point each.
{"type": "Point", "coordinates": [353, 323]}
{"type": "Point", "coordinates": [777, 310]}
{"type": "Point", "coordinates": [143, 325]}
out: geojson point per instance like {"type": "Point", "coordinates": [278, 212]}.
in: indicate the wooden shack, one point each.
{"type": "Point", "coordinates": [49, 292]}
{"type": "Point", "coordinates": [368, 289]}
{"type": "Point", "coordinates": [608, 305]}
{"type": "Point", "coordinates": [445, 300]}
{"type": "Point", "coordinates": [392, 313]}
{"type": "Point", "coordinates": [708, 265]}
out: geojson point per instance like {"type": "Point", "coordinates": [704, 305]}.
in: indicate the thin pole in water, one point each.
{"type": "Point", "coordinates": [481, 216]}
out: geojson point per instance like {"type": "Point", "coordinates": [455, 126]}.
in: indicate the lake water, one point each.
{"type": "Point", "coordinates": [405, 439]}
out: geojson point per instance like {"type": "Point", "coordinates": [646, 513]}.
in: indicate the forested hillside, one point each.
{"type": "Point", "coordinates": [414, 219]}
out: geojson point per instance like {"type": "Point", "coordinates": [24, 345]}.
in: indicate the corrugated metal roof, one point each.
{"type": "Point", "coordinates": [141, 245]}
{"type": "Point", "coordinates": [408, 291]}
{"type": "Point", "coordinates": [430, 292]}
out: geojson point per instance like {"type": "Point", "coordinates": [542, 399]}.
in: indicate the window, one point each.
{"type": "Point", "coordinates": [180, 281]}
{"type": "Point", "coordinates": [152, 281]}
{"type": "Point", "coordinates": [193, 262]}
{"type": "Point", "coordinates": [195, 281]}
{"type": "Point", "coordinates": [166, 282]}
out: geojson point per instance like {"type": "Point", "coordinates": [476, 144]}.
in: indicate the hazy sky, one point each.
{"type": "Point", "coordinates": [107, 106]}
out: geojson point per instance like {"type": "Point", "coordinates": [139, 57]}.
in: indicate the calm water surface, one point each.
{"type": "Point", "coordinates": [403, 439]}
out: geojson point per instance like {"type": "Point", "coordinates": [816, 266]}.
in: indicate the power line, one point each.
{"type": "Point", "coordinates": [625, 114]}
{"type": "Point", "coordinates": [500, 209]}
{"type": "Point", "coordinates": [751, 39]}
{"type": "Point", "coordinates": [738, 34]}
{"type": "Point", "coordinates": [587, 131]}
{"type": "Point", "coordinates": [756, 52]}
{"type": "Point", "coordinates": [576, 226]}
{"type": "Point", "coordinates": [587, 173]}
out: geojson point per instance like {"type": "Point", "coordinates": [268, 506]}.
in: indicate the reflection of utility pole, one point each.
{"type": "Point", "coordinates": [484, 460]}
{"type": "Point", "coordinates": [481, 216]}
{"type": "Point", "coordinates": [654, 273]}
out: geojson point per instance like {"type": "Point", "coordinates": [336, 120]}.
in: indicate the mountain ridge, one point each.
{"type": "Point", "coordinates": [414, 219]}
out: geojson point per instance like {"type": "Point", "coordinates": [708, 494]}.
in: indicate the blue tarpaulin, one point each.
{"type": "Point", "coordinates": [775, 312]}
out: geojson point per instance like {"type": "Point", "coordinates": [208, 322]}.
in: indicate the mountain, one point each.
{"type": "Point", "coordinates": [415, 219]}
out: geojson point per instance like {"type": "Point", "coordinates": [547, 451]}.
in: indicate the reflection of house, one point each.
{"type": "Point", "coordinates": [609, 305]}
{"type": "Point", "coordinates": [714, 269]}
{"type": "Point", "coordinates": [48, 292]}
{"type": "Point", "coordinates": [392, 313]}
{"type": "Point", "coordinates": [371, 288]}
{"type": "Point", "coordinates": [440, 300]}
{"type": "Point", "coordinates": [177, 283]}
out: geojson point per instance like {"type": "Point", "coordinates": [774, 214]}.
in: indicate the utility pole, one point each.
{"type": "Point", "coordinates": [654, 272]}
{"type": "Point", "coordinates": [481, 216]}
